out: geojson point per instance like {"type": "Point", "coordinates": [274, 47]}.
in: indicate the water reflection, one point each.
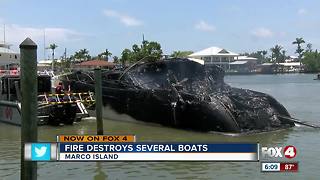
{"type": "Point", "coordinates": [99, 173]}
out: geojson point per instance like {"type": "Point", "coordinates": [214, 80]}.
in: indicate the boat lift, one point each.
{"type": "Point", "coordinates": [82, 100]}
{"type": "Point", "coordinates": [52, 108]}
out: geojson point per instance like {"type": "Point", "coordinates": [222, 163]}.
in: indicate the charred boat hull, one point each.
{"type": "Point", "coordinates": [159, 93]}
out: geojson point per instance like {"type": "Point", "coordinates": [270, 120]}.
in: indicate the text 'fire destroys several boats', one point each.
{"type": "Point", "coordinates": [185, 94]}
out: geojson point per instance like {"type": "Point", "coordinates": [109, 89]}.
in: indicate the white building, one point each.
{"type": "Point", "coordinates": [215, 55]}
{"type": "Point", "coordinates": [243, 64]}
{"type": "Point", "coordinates": [245, 58]}
{"type": "Point", "coordinates": [291, 66]}
{"type": "Point", "coordinates": [228, 60]}
{"type": "Point", "coordinates": [292, 59]}
{"type": "Point", "coordinates": [46, 64]}
{"type": "Point", "coordinates": [8, 56]}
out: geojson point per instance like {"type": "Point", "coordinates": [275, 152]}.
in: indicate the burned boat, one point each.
{"type": "Point", "coordinates": [185, 94]}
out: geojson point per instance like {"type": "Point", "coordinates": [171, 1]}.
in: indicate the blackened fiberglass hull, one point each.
{"type": "Point", "coordinates": [184, 94]}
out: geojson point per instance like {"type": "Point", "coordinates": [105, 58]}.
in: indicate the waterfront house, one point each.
{"type": "Point", "coordinates": [292, 59]}
{"type": "Point", "coordinates": [243, 64]}
{"type": "Point", "coordinates": [291, 66]}
{"type": "Point", "coordinates": [228, 60]}
{"type": "Point", "coordinates": [216, 55]}
{"type": "Point", "coordinates": [267, 68]}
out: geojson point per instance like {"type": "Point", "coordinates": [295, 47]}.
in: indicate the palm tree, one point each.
{"type": "Point", "coordinates": [52, 47]}
{"type": "Point", "coordinates": [77, 56]}
{"type": "Point", "coordinates": [309, 47]}
{"type": "Point", "coordinates": [276, 53]}
{"type": "Point", "coordinates": [81, 55]}
{"type": "Point", "coordinates": [283, 53]}
{"type": "Point", "coordinates": [299, 50]}
{"type": "Point", "coordinates": [84, 54]}
{"type": "Point", "coordinates": [126, 56]}
{"type": "Point", "coordinates": [107, 54]}
{"type": "Point", "coordinates": [115, 59]}
{"type": "Point", "coordinates": [264, 53]}
{"type": "Point", "coordinates": [84, 51]}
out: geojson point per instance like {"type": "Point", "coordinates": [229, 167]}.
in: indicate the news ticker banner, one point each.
{"type": "Point", "coordinates": [140, 152]}
{"type": "Point", "coordinates": [124, 148]}
{"type": "Point", "coordinates": [96, 138]}
{"type": "Point", "coordinates": [156, 152]}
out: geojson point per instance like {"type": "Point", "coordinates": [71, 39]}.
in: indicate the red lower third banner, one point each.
{"type": "Point", "coordinates": [289, 167]}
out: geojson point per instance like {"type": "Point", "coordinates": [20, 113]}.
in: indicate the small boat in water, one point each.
{"type": "Point", "coordinates": [184, 94]}
{"type": "Point", "coordinates": [53, 109]}
{"type": "Point", "coordinates": [317, 77]}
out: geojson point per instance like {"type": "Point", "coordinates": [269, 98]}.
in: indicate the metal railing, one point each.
{"type": "Point", "coordinates": [85, 97]}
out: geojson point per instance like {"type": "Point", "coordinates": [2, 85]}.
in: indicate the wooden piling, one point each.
{"type": "Point", "coordinates": [98, 99]}
{"type": "Point", "coordinates": [29, 88]}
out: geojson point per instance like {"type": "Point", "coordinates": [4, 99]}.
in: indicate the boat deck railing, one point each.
{"type": "Point", "coordinates": [84, 97]}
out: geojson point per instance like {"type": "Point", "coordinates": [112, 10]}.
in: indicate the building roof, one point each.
{"type": "Point", "coordinates": [238, 62]}
{"type": "Point", "coordinates": [293, 57]}
{"type": "Point", "coordinates": [213, 51]}
{"type": "Point", "coordinates": [267, 64]}
{"type": "Point", "coordinates": [245, 58]}
{"type": "Point", "coordinates": [282, 64]}
{"type": "Point", "coordinates": [200, 61]}
{"type": "Point", "coordinates": [45, 62]}
{"type": "Point", "coordinates": [48, 61]}
{"type": "Point", "coordinates": [290, 64]}
{"type": "Point", "coordinates": [97, 62]}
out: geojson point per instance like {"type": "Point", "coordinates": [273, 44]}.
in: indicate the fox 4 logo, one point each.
{"type": "Point", "coordinates": [277, 152]}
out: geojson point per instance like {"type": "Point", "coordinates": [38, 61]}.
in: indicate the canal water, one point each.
{"type": "Point", "coordinates": [299, 93]}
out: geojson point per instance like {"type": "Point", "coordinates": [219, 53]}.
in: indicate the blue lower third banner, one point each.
{"type": "Point", "coordinates": [157, 152]}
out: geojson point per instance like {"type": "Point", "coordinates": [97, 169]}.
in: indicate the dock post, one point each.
{"type": "Point", "coordinates": [98, 99]}
{"type": "Point", "coordinates": [29, 112]}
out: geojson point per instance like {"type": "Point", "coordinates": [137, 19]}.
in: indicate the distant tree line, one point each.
{"type": "Point", "coordinates": [308, 57]}
{"type": "Point", "coordinates": [151, 51]}
{"type": "Point", "coordinates": [147, 50]}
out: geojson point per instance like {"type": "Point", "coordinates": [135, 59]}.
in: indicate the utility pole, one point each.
{"type": "Point", "coordinates": [65, 54]}
{"type": "Point", "coordinates": [44, 44]}
{"type": "Point", "coordinates": [52, 62]}
{"type": "Point", "coordinates": [98, 98]}
{"type": "Point", "coordinates": [4, 34]}
{"type": "Point", "coordinates": [29, 105]}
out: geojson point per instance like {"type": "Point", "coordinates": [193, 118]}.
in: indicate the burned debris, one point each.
{"type": "Point", "coordinates": [185, 94]}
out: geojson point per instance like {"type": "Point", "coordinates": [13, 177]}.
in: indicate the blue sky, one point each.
{"type": "Point", "coordinates": [236, 25]}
